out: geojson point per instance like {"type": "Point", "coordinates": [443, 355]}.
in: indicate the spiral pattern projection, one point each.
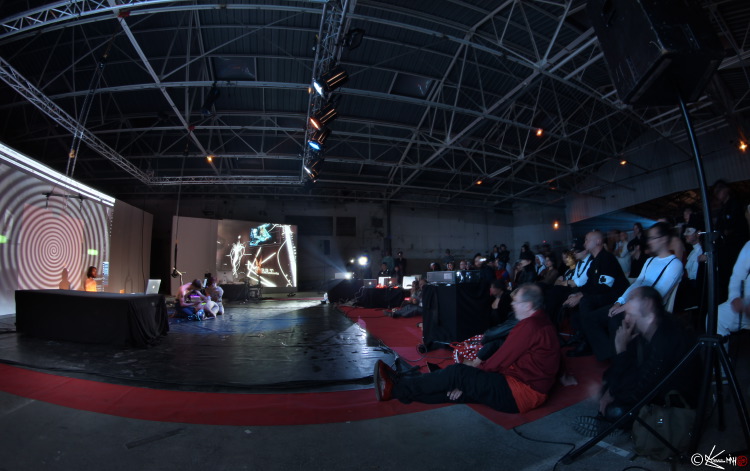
{"type": "Point", "coordinates": [277, 254]}
{"type": "Point", "coordinates": [49, 243]}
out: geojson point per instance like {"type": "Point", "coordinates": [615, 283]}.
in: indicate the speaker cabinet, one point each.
{"type": "Point", "coordinates": [656, 49]}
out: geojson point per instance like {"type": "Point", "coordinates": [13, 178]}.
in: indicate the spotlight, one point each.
{"type": "Point", "coordinates": [318, 139]}
{"type": "Point", "coordinates": [313, 166]}
{"type": "Point", "coordinates": [539, 132]}
{"type": "Point", "coordinates": [363, 260]}
{"type": "Point", "coordinates": [330, 81]}
{"type": "Point", "coordinates": [324, 116]}
{"type": "Point", "coordinates": [743, 146]}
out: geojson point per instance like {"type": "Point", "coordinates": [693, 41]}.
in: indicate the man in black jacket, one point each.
{"type": "Point", "coordinates": [605, 283]}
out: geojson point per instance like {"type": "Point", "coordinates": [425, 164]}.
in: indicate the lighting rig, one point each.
{"type": "Point", "coordinates": [328, 76]}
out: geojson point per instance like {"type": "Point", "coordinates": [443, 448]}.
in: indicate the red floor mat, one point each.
{"type": "Point", "coordinates": [200, 408]}
{"type": "Point", "coordinates": [403, 335]}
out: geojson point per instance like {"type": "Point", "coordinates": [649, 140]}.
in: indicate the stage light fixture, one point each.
{"type": "Point", "coordinates": [318, 139]}
{"type": "Point", "coordinates": [363, 260]}
{"type": "Point", "coordinates": [324, 116]}
{"type": "Point", "coordinates": [623, 162]}
{"type": "Point", "coordinates": [313, 166]}
{"type": "Point", "coordinates": [209, 158]}
{"type": "Point", "coordinates": [330, 81]}
{"type": "Point", "coordinates": [743, 146]}
{"type": "Point", "coordinates": [539, 132]}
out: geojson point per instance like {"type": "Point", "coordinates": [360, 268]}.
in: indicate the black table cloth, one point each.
{"type": "Point", "coordinates": [452, 313]}
{"type": "Point", "coordinates": [79, 316]}
{"type": "Point", "coordinates": [385, 298]}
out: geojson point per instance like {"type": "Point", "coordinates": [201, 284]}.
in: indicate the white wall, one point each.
{"type": "Point", "coordinates": [130, 255]}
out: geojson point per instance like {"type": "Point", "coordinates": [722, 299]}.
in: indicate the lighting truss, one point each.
{"type": "Point", "coordinates": [327, 54]}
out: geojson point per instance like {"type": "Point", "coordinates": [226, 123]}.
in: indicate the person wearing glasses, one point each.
{"type": "Point", "coordinates": [663, 272]}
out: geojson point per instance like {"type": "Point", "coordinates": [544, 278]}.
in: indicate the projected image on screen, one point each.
{"type": "Point", "coordinates": [257, 253]}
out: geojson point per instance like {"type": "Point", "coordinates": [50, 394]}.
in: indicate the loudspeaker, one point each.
{"type": "Point", "coordinates": [655, 49]}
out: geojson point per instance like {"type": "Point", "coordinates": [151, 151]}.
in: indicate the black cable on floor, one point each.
{"type": "Point", "coordinates": [571, 445]}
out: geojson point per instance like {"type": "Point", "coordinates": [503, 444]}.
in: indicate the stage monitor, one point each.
{"type": "Point", "coordinates": [152, 286]}
{"type": "Point", "coordinates": [408, 280]}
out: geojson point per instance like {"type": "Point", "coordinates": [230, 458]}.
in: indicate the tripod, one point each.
{"type": "Point", "coordinates": [710, 345]}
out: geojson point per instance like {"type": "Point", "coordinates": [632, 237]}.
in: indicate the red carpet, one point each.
{"type": "Point", "coordinates": [403, 335]}
{"type": "Point", "coordinates": [200, 408]}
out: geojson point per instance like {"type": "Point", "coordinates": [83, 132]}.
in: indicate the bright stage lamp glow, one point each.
{"type": "Point", "coordinates": [743, 146]}
{"type": "Point", "coordinates": [363, 260]}
{"type": "Point", "coordinates": [539, 132]}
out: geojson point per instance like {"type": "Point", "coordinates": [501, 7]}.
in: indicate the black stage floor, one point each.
{"type": "Point", "coordinates": [269, 346]}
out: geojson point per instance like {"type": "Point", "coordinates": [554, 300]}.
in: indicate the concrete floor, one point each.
{"type": "Point", "coordinates": [36, 435]}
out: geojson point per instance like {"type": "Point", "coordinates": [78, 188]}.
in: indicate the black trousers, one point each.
{"type": "Point", "coordinates": [600, 330]}
{"type": "Point", "coordinates": [478, 386]}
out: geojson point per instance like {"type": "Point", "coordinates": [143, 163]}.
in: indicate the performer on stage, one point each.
{"type": "Point", "coordinates": [90, 283]}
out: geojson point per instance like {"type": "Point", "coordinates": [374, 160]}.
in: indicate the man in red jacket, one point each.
{"type": "Point", "coordinates": [514, 379]}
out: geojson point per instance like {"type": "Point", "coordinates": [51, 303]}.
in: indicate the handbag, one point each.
{"type": "Point", "coordinates": [673, 421]}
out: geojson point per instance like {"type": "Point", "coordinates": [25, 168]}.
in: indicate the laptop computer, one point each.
{"type": "Point", "coordinates": [152, 286]}
{"type": "Point", "coordinates": [387, 281]}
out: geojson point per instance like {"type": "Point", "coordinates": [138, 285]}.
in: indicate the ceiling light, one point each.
{"type": "Point", "coordinates": [318, 139]}
{"type": "Point", "coordinates": [330, 81]}
{"type": "Point", "coordinates": [210, 158]}
{"type": "Point", "coordinates": [539, 132]}
{"type": "Point", "coordinates": [324, 116]}
{"type": "Point", "coordinates": [479, 182]}
{"type": "Point", "coordinates": [623, 162]}
{"type": "Point", "coordinates": [556, 225]}
{"type": "Point", "coordinates": [743, 146]}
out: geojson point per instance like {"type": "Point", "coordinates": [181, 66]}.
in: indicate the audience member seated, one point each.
{"type": "Point", "coordinates": [215, 294]}
{"type": "Point", "coordinates": [190, 300]}
{"type": "Point", "coordinates": [578, 261]}
{"type": "Point", "coordinates": [549, 275]}
{"type": "Point", "coordinates": [516, 378]}
{"type": "Point", "coordinates": [690, 290]}
{"type": "Point", "coordinates": [734, 314]}
{"type": "Point", "coordinates": [622, 253]}
{"type": "Point", "coordinates": [414, 306]}
{"type": "Point", "coordinates": [434, 266]}
{"type": "Point", "coordinates": [485, 272]}
{"type": "Point", "coordinates": [637, 249]}
{"type": "Point", "coordinates": [504, 256]}
{"type": "Point", "coordinates": [525, 272]}
{"type": "Point", "coordinates": [90, 283]}
{"type": "Point", "coordinates": [648, 345]}
{"type": "Point", "coordinates": [539, 265]}
{"type": "Point", "coordinates": [500, 302]}
{"type": "Point", "coordinates": [662, 272]}
{"type": "Point", "coordinates": [605, 281]}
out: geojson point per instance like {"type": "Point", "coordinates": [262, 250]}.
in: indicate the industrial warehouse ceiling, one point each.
{"type": "Point", "coordinates": [443, 104]}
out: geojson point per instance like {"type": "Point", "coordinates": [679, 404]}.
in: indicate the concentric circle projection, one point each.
{"type": "Point", "coordinates": [41, 237]}
{"type": "Point", "coordinates": [50, 244]}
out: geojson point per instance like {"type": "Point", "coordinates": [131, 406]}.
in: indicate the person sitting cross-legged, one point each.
{"type": "Point", "coordinates": [514, 379]}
